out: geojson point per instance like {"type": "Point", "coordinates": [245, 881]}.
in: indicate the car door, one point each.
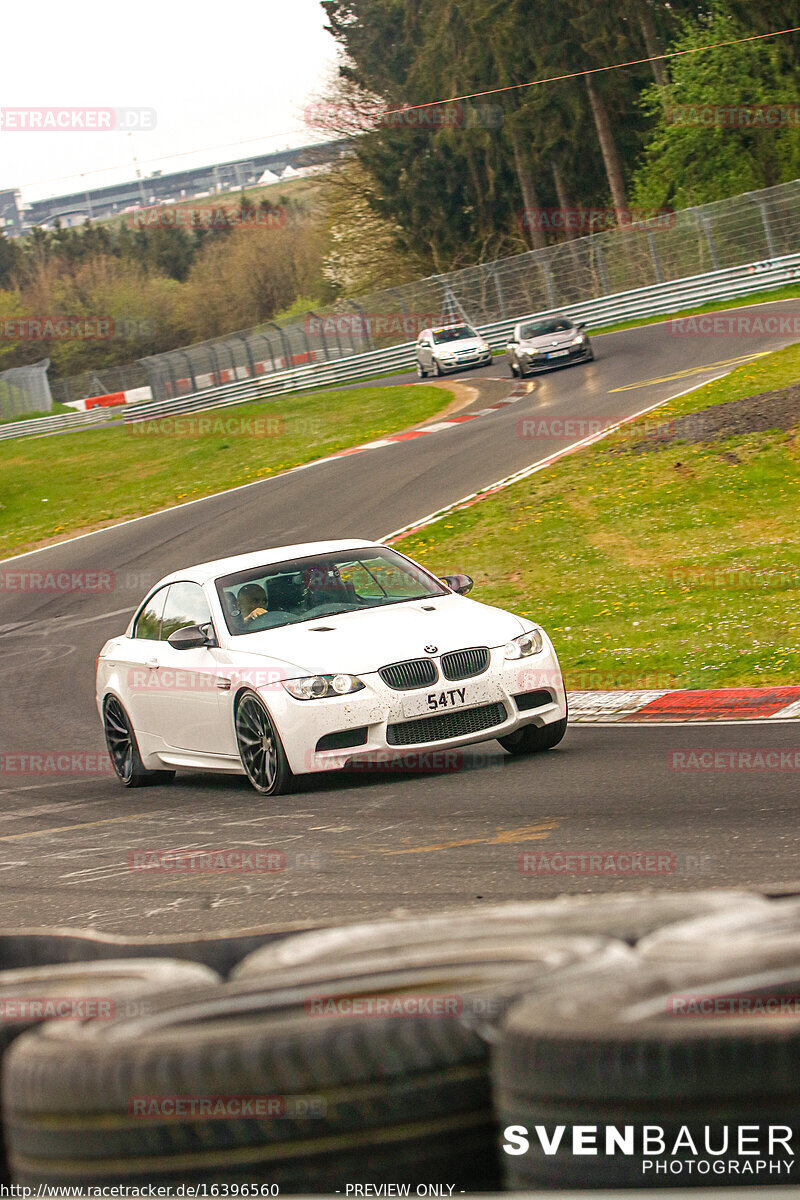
{"type": "Point", "coordinates": [424, 352]}
{"type": "Point", "coordinates": [135, 656]}
{"type": "Point", "coordinates": [186, 685]}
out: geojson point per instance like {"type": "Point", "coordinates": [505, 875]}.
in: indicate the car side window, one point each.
{"type": "Point", "coordinates": [148, 623]}
{"type": "Point", "coordinates": [186, 605]}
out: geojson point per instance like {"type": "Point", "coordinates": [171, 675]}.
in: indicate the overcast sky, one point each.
{"type": "Point", "coordinates": [216, 74]}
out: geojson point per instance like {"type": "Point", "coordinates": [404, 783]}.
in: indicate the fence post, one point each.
{"type": "Point", "coordinates": [215, 361]}
{"type": "Point", "coordinates": [654, 255]}
{"type": "Point", "coordinates": [187, 359]}
{"type": "Point", "coordinates": [712, 249]}
{"type": "Point", "coordinates": [251, 366]}
{"type": "Point", "coordinates": [286, 352]}
{"type": "Point", "coordinates": [544, 263]}
{"type": "Point", "coordinates": [317, 317]}
{"type": "Point", "coordinates": [767, 228]}
{"type": "Point", "coordinates": [366, 330]}
{"type": "Point", "coordinates": [601, 263]}
{"type": "Point", "coordinates": [498, 287]}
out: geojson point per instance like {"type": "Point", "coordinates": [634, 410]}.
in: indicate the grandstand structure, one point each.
{"type": "Point", "coordinates": [214, 180]}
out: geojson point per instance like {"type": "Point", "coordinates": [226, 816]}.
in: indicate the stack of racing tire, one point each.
{"type": "Point", "coordinates": [485, 1049]}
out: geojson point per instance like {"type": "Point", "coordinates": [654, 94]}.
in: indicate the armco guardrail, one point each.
{"type": "Point", "coordinates": [38, 426]}
{"type": "Point", "coordinates": [645, 302]}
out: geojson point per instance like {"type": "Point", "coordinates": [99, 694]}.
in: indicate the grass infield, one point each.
{"type": "Point", "coordinates": [54, 487]}
{"type": "Point", "coordinates": [653, 563]}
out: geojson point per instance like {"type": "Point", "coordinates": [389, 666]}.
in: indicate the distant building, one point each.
{"type": "Point", "coordinates": [101, 203]}
{"type": "Point", "coordinates": [10, 218]}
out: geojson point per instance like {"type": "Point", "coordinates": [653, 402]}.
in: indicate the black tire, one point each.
{"type": "Point", "coordinates": [743, 940]}
{"type": "Point", "coordinates": [53, 947]}
{"type": "Point", "coordinates": [534, 739]}
{"type": "Point", "coordinates": [437, 369]}
{"type": "Point", "coordinates": [627, 917]}
{"type": "Point", "coordinates": [513, 368]}
{"type": "Point", "coordinates": [400, 1095]}
{"type": "Point", "coordinates": [123, 749]}
{"type": "Point", "coordinates": [620, 1055]}
{"type": "Point", "coordinates": [483, 944]}
{"type": "Point", "coordinates": [265, 764]}
{"type": "Point", "coordinates": [109, 989]}
{"type": "Point", "coordinates": [590, 356]}
{"type": "Point", "coordinates": [421, 372]}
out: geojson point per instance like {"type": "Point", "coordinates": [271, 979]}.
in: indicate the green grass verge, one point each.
{"type": "Point", "coordinates": [53, 487]}
{"type": "Point", "coordinates": [56, 410]}
{"type": "Point", "coordinates": [678, 567]}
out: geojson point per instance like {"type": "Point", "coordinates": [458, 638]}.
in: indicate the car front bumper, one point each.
{"type": "Point", "coordinates": [377, 716]}
{"type": "Point", "coordinates": [476, 360]}
{"type": "Point", "coordinates": [540, 363]}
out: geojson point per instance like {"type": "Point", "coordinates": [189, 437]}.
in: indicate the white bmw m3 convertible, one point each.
{"type": "Point", "coordinates": [315, 657]}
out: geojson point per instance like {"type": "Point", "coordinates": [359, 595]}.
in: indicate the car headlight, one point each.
{"type": "Point", "coordinates": [485, 347]}
{"type": "Point", "coordinates": [321, 687]}
{"type": "Point", "coordinates": [525, 646]}
{"type": "Point", "coordinates": [579, 340]}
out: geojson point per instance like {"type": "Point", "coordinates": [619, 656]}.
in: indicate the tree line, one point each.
{"type": "Point", "coordinates": [620, 139]}
{"type": "Point", "coordinates": [163, 283]}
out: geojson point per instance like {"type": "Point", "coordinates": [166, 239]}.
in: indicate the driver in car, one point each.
{"type": "Point", "coordinates": [251, 602]}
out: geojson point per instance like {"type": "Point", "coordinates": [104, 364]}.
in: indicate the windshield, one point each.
{"type": "Point", "coordinates": [288, 593]}
{"type": "Point", "coordinates": [456, 333]}
{"type": "Point", "coordinates": [543, 328]}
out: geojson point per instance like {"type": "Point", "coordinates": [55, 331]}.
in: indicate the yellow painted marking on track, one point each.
{"type": "Point", "coordinates": [725, 362]}
{"type": "Point", "coordinates": [18, 837]}
{"type": "Point", "coordinates": [528, 833]}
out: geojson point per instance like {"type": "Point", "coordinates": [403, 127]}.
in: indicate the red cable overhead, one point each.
{"type": "Point", "coordinates": [633, 62]}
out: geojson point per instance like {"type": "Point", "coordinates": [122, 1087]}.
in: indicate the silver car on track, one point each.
{"type": "Point", "coordinates": [548, 342]}
{"type": "Point", "coordinates": [451, 348]}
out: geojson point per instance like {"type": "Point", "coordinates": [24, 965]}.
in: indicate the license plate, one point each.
{"type": "Point", "coordinates": [445, 699]}
{"type": "Point", "coordinates": [558, 354]}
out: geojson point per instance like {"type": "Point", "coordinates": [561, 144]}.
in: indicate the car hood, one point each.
{"type": "Point", "coordinates": [462, 344]}
{"type": "Point", "coordinates": [548, 340]}
{"type": "Point", "coordinates": [361, 642]}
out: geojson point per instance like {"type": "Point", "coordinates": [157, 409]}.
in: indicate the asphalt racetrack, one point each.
{"type": "Point", "coordinates": [363, 845]}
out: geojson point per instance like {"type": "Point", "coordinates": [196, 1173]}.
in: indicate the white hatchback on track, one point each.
{"type": "Point", "coordinates": [314, 657]}
{"type": "Point", "coordinates": [451, 348]}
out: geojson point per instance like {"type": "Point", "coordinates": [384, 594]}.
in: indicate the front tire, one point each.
{"type": "Point", "coordinates": [534, 739]}
{"type": "Point", "coordinates": [260, 748]}
{"type": "Point", "coordinates": [123, 749]}
{"type": "Point", "coordinates": [421, 372]}
{"type": "Point", "coordinates": [514, 369]}
{"type": "Point", "coordinates": [437, 369]}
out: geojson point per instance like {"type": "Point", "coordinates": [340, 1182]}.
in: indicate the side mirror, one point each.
{"type": "Point", "coordinates": [192, 637]}
{"type": "Point", "coordinates": [582, 325]}
{"type": "Point", "coordinates": [459, 583]}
